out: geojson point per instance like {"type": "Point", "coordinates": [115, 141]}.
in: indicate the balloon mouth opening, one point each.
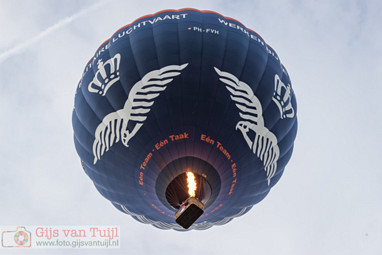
{"type": "Point", "coordinates": [171, 185]}
{"type": "Point", "coordinates": [177, 191]}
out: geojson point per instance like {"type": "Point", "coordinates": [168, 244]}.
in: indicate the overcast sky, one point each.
{"type": "Point", "coordinates": [329, 200]}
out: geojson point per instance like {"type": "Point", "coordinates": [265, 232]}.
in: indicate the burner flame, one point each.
{"type": "Point", "coordinates": [191, 183]}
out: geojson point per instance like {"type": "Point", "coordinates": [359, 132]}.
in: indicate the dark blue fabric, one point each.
{"type": "Point", "coordinates": [195, 102]}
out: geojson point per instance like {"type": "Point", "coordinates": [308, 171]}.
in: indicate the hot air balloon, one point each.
{"type": "Point", "coordinates": [178, 92]}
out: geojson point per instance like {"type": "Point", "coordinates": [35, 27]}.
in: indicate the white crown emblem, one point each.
{"type": "Point", "coordinates": [283, 98]}
{"type": "Point", "coordinates": [106, 76]}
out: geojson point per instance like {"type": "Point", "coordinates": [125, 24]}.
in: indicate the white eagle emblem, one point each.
{"type": "Point", "coordinates": [113, 127]}
{"type": "Point", "coordinates": [264, 144]}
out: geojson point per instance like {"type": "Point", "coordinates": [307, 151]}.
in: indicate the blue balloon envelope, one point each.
{"type": "Point", "coordinates": [184, 90]}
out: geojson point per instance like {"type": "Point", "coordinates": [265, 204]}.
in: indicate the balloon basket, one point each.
{"type": "Point", "coordinates": [189, 212]}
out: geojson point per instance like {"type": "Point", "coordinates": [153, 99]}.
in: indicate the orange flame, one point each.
{"type": "Point", "coordinates": [191, 184]}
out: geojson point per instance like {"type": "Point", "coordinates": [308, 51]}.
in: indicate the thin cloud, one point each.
{"type": "Point", "coordinates": [25, 45]}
